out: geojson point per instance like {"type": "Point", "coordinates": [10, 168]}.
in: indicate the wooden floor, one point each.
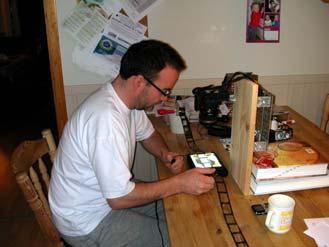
{"type": "Point", "coordinates": [18, 226]}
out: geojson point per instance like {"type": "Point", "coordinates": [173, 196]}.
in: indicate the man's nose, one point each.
{"type": "Point", "coordinates": [164, 98]}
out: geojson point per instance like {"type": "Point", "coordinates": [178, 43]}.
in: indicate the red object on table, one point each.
{"type": "Point", "coordinates": [165, 111]}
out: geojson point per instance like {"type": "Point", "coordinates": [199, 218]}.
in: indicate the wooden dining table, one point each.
{"type": "Point", "coordinates": [223, 216]}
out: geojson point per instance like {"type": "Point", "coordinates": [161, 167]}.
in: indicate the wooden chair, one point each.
{"type": "Point", "coordinates": [325, 114]}
{"type": "Point", "coordinates": [29, 163]}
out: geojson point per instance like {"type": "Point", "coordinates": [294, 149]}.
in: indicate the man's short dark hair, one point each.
{"type": "Point", "coordinates": [148, 58]}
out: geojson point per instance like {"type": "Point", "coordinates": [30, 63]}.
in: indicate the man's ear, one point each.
{"type": "Point", "coordinates": [136, 82]}
{"type": "Point", "coordinates": [139, 81]}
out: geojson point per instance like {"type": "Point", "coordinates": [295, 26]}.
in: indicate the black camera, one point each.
{"type": "Point", "coordinates": [207, 101]}
{"type": "Point", "coordinates": [209, 98]}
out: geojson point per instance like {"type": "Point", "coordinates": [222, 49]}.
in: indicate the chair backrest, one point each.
{"type": "Point", "coordinates": [30, 163]}
{"type": "Point", "coordinates": [325, 114]}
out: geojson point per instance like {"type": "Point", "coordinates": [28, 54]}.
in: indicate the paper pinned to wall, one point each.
{"type": "Point", "coordinates": [84, 24]}
{"type": "Point", "coordinates": [125, 27]}
{"type": "Point", "coordinates": [108, 6]}
{"type": "Point", "coordinates": [103, 34]}
{"type": "Point", "coordinates": [104, 56]}
{"type": "Point", "coordinates": [87, 61]}
{"type": "Point", "coordinates": [137, 9]}
{"type": "Point", "coordinates": [110, 50]}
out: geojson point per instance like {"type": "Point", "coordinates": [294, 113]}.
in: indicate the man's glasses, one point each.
{"type": "Point", "coordinates": [164, 92]}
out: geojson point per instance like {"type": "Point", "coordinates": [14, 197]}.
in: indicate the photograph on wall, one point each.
{"type": "Point", "coordinates": [263, 21]}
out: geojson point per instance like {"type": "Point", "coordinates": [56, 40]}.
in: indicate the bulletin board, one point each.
{"type": "Point", "coordinates": [102, 31]}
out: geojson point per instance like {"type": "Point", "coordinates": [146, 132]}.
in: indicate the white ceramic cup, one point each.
{"type": "Point", "coordinates": [280, 213]}
{"type": "Point", "coordinates": [175, 124]}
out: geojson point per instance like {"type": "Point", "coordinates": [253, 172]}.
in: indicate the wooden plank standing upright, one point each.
{"type": "Point", "coordinates": [243, 129]}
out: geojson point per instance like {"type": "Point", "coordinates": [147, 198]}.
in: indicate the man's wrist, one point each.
{"type": "Point", "coordinates": [177, 183]}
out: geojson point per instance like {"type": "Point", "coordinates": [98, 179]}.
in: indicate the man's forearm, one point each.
{"type": "Point", "coordinates": [156, 145]}
{"type": "Point", "coordinates": [192, 182]}
{"type": "Point", "coordinates": [147, 192]}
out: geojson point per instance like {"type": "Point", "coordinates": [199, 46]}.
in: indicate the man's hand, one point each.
{"type": "Point", "coordinates": [195, 181]}
{"type": "Point", "coordinates": [174, 162]}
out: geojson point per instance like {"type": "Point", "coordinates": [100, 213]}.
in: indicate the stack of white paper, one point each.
{"type": "Point", "coordinates": [318, 229]}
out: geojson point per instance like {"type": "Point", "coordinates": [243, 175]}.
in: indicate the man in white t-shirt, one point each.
{"type": "Point", "coordinates": [93, 199]}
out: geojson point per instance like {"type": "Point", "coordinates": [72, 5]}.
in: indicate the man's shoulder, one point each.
{"type": "Point", "coordinates": [99, 102]}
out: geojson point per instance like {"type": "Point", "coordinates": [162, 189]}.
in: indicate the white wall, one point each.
{"type": "Point", "coordinates": [210, 34]}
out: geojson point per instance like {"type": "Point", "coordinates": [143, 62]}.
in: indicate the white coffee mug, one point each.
{"type": "Point", "coordinates": [280, 213]}
{"type": "Point", "coordinates": [176, 125]}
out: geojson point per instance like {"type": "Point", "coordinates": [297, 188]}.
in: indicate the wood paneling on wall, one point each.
{"type": "Point", "coordinates": [304, 93]}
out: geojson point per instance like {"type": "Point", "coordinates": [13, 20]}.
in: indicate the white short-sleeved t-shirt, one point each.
{"type": "Point", "coordinates": [93, 161]}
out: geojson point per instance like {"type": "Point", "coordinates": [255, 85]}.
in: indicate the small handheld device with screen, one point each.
{"type": "Point", "coordinates": [207, 160]}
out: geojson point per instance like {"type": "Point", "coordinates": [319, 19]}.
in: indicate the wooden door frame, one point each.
{"type": "Point", "coordinates": [55, 63]}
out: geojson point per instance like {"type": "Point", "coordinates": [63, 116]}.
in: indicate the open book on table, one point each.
{"type": "Point", "coordinates": [288, 159]}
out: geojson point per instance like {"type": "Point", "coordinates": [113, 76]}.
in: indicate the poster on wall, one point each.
{"type": "Point", "coordinates": [263, 21]}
